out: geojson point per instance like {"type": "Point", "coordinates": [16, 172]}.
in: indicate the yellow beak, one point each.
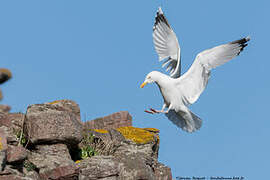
{"type": "Point", "coordinates": [143, 84]}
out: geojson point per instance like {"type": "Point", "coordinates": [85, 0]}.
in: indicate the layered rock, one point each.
{"type": "Point", "coordinates": [46, 141]}
{"type": "Point", "coordinates": [134, 156]}
{"type": "Point", "coordinates": [52, 123]}
{"type": "Point", "coordinates": [113, 121]}
{"type": "Point", "coordinates": [53, 162]}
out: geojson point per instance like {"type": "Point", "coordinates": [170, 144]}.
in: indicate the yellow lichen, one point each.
{"type": "Point", "coordinates": [137, 135]}
{"type": "Point", "coordinates": [154, 130]}
{"type": "Point", "coordinates": [100, 130]}
{"type": "Point", "coordinates": [55, 102]}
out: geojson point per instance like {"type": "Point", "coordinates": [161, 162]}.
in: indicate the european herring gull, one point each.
{"type": "Point", "coordinates": [181, 91]}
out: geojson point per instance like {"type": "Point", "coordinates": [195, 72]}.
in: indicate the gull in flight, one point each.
{"type": "Point", "coordinates": [181, 91]}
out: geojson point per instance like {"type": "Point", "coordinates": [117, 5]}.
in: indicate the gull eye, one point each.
{"type": "Point", "coordinates": [149, 77]}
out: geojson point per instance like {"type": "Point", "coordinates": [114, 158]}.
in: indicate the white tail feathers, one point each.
{"type": "Point", "coordinates": [188, 121]}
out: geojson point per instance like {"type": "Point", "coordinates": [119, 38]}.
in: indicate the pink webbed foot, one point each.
{"type": "Point", "coordinates": [152, 111]}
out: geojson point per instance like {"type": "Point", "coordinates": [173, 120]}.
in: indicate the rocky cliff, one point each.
{"type": "Point", "coordinates": [50, 141]}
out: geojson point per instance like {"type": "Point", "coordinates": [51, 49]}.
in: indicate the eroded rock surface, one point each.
{"type": "Point", "coordinates": [52, 123]}
{"type": "Point", "coordinates": [48, 142]}
{"type": "Point", "coordinates": [112, 121]}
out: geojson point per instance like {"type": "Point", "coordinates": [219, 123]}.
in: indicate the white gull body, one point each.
{"type": "Point", "coordinates": [181, 91]}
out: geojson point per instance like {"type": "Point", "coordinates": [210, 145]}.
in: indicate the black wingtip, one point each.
{"type": "Point", "coordinates": [242, 43]}
{"type": "Point", "coordinates": [160, 18]}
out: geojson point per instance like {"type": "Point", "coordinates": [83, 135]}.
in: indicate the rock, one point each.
{"type": "Point", "coordinates": [4, 108]}
{"type": "Point", "coordinates": [54, 162]}
{"type": "Point", "coordinates": [135, 140]}
{"type": "Point", "coordinates": [3, 139]}
{"type": "Point", "coordinates": [70, 172]}
{"type": "Point", "coordinates": [3, 150]}
{"type": "Point", "coordinates": [52, 123]}
{"type": "Point", "coordinates": [16, 154]}
{"type": "Point", "coordinates": [10, 136]}
{"type": "Point", "coordinates": [11, 173]}
{"type": "Point", "coordinates": [47, 163]}
{"type": "Point", "coordinates": [13, 121]}
{"type": "Point", "coordinates": [133, 167]}
{"type": "Point", "coordinates": [130, 167]}
{"type": "Point", "coordinates": [2, 160]}
{"type": "Point", "coordinates": [113, 121]}
{"type": "Point", "coordinates": [4, 120]}
{"type": "Point", "coordinates": [60, 150]}
{"type": "Point", "coordinates": [10, 169]}
{"type": "Point", "coordinates": [16, 120]}
{"type": "Point", "coordinates": [14, 177]}
{"type": "Point", "coordinates": [32, 175]}
{"type": "Point", "coordinates": [161, 171]}
{"type": "Point", "coordinates": [134, 155]}
{"type": "Point", "coordinates": [119, 151]}
{"type": "Point", "coordinates": [98, 167]}
{"type": "Point", "coordinates": [70, 106]}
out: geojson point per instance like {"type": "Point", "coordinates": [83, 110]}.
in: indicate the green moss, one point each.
{"type": "Point", "coordinates": [21, 139]}
{"type": "Point", "coordinates": [88, 151]}
{"type": "Point", "coordinates": [29, 166]}
{"type": "Point", "coordinates": [87, 146]}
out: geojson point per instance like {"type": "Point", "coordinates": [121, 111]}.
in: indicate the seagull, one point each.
{"type": "Point", "coordinates": [179, 92]}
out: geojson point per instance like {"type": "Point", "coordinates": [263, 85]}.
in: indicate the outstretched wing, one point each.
{"type": "Point", "coordinates": [194, 81]}
{"type": "Point", "coordinates": [166, 45]}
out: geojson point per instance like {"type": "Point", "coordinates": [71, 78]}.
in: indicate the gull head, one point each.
{"type": "Point", "coordinates": [152, 77]}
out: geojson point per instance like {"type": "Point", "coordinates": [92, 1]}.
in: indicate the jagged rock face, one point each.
{"type": "Point", "coordinates": [134, 156]}
{"type": "Point", "coordinates": [113, 121]}
{"type": "Point", "coordinates": [99, 167]}
{"type": "Point", "coordinates": [52, 123]}
{"type": "Point", "coordinates": [53, 162]}
{"type": "Point", "coordinates": [3, 149]}
{"type": "Point", "coordinates": [69, 106]}
{"type": "Point", "coordinates": [16, 153]}
{"type": "Point", "coordinates": [4, 108]}
{"type": "Point", "coordinates": [56, 135]}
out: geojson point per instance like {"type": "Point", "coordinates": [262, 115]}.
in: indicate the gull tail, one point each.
{"type": "Point", "coordinates": [186, 120]}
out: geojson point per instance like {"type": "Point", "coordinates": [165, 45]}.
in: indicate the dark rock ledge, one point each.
{"type": "Point", "coordinates": [50, 141]}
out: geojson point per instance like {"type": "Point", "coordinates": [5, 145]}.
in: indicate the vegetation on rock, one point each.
{"type": "Point", "coordinates": [137, 135]}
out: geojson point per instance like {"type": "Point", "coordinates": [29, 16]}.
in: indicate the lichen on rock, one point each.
{"type": "Point", "coordinates": [62, 147]}
{"type": "Point", "coordinates": [101, 130]}
{"type": "Point", "coordinates": [137, 135]}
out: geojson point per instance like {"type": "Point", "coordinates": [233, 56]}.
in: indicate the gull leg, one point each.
{"type": "Point", "coordinates": [154, 111]}
{"type": "Point", "coordinates": [170, 107]}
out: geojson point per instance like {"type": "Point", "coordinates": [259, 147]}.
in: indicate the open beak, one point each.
{"type": "Point", "coordinates": [143, 84]}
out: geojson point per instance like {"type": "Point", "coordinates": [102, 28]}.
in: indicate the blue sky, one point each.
{"type": "Point", "coordinates": [98, 52]}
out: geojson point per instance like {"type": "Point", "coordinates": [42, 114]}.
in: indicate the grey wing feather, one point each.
{"type": "Point", "coordinates": [166, 45]}
{"type": "Point", "coordinates": [194, 81]}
